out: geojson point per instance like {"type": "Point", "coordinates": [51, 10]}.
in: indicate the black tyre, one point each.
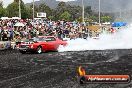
{"type": "Point", "coordinates": [39, 50]}
{"type": "Point", "coordinates": [82, 80]}
{"type": "Point", "coordinates": [22, 52]}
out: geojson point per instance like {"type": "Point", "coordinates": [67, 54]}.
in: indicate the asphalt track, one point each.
{"type": "Point", "coordinates": [59, 70]}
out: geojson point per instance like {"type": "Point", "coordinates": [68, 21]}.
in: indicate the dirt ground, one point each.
{"type": "Point", "coordinates": [59, 70]}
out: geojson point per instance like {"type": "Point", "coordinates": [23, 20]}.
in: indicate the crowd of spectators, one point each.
{"type": "Point", "coordinates": [61, 29]}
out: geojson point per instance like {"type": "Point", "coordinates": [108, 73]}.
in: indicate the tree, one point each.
{"type": "Point", "coordinates": [2, 10]}
{"type": "Point", "coordinates": [17, 1]}
{"type": "Point", "coordinates": [105, 18]}
{"type": "Point", "coordinates": [29, 12]}
{"type": "Point", "coordinates": [13, 10]}
{"type": "Point", "coordinates": [93, 18]}
{"type": "Point", "coordinates": [24, 11]}
{"type": "Point", "coordinates": [75, 11]}
{"type": "Point", "coordinates": [88, 11]}
{"type": "Point", "coordinates": [66, 16]}
{"type": "Point", "coordinates": [44, 8]}
{"type": "Point", "coordinates": [1, 3]}
{"type": "Point", "coordinates": [61, 8]}
{"type": "Point", "coordinates": [50, 17]}
{"type": "Point", "coordinates": [36, 9]}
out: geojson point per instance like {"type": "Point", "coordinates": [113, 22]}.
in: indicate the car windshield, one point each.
{"type": "Point", "coordinates": [50, 39]}
{"type": "Point", "coordinates": [33, 39]}
{"type": "Point", "coordinates": [36, 39]}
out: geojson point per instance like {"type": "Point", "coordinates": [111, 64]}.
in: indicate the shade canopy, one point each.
{"type": "Point", "coordinates": [19, 24]}
{"type": "Point", "coordinates": [119, 24]}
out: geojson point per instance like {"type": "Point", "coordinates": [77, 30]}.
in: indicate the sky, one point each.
{"type": "Point", "coordinates": [65, 0]}
{"type": "Point", "coordinates": [6, 2]}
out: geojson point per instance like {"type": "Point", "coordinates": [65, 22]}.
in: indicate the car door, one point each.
{"type": "Point", "coordinates": [41, 42]}
{"type": "Point", "coordinates": [44, 44]}
{"type": "Point", "coordinates": [51, 43]}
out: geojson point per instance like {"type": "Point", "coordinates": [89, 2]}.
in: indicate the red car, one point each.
{"type": "Point", "coordinates": [41, 44]}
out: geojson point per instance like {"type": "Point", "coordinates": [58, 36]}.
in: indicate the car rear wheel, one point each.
{"type": "Point", "coordinates": [39, 50]}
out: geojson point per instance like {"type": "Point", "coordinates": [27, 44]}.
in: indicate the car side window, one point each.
{"type": "Point", "coordinates": [41, 39]}
{"type": "Point", "coordinates": [48, 39]}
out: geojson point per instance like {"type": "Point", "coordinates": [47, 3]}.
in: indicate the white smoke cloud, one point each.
{"type": "Point", "coordinates": [119, 40]}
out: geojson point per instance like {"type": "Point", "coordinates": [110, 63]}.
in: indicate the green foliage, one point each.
{"type": "Point", "coordinates": [44, 8]}
{"type": "Point", "coordinates": [62, 11]}
{"type": "Point", "coordinates": [1, 3]}
{"type": "Point", "coordinates": [62, 7]}
{"type": "Point", "coordinates": [79, 19]}
{"type": "Point", "coordinates": [88, 11]}
{"type": "Point", "coordinates": [105, 18]}
{"type": "Point", "coordinates": [36, 9]}
{"type": "Point", "coordinates": [50, 17]}
{"type": "Point", "coordinates": [93, 18]}
{"type": "Point", "coordinates": [29, 12]}
{"type": "Point", "coordinates": [13, 9]}
{"type": "Point", "coordinates": [2, 12]}
{"type": "Point", "coordinates": [74, 11]}
{"type": "Point", "coordinates": [65, 16]}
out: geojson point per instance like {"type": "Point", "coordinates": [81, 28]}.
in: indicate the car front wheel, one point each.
{"type": "Point", "coordinates": [39, 50]}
